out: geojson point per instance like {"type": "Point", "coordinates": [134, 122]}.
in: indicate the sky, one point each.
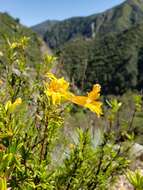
{"type": "Point", "coordinates": [32, 12]}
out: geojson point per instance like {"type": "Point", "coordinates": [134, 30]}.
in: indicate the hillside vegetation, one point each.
{"type": "Point", "coordinates": [61, 135]}
{"type": "Point", "coordinates": [105, 47]}
{"type": "Point", "coordinates": [117, 19]}
{"type": "Point", "coordinates": [33, 113]}
{"type": "Point", "coordinates": [115, 61]}
{"type": "Point", "coordinates": [10, 31]}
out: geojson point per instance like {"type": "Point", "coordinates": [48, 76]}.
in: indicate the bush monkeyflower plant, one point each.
{"type": "Point", "coordinates": [58, 89]}
{"type": "Point", "coordinates": [35, 150]}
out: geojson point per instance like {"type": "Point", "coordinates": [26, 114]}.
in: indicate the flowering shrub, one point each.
{"type": "Point", "coordinates": [33, 105]}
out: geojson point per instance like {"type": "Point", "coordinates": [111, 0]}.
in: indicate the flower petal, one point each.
{"type": "Point", "coordinates": [95, 93]}
{"type": "Point", "coordinates": [95, 107]}
{"type": "Point", "coordinates": [80, 100]}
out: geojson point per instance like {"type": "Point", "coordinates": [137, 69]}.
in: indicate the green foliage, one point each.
{"type": "Point", "coordinates": [32, 135]}
{"type": "Point", "coordinates": [136, 179]}
{"type": "Point", "coordinates": [90, 168]}
{"type": "Point", "coordinates": [13, 30]}
{"type": "Point", "coordinates": [113, 61]}
{"type": "Point", "coordinates": [31, 128]}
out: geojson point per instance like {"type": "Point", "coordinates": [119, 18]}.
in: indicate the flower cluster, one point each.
{"type": "Point", "coordinates": [58, 90]}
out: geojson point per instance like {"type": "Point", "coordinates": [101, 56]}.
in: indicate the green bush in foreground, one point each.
{"type": "Point", "coordinates": [136, 179]}
{"type": "Point", "coordinates": [34, 151]}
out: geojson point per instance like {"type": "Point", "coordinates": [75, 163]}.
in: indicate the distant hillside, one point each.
{"type": "Point", "coordinates": [42, 28]}
{"type": "Point", "coordinates": [117, 19]}
{"type": "Point", "coordinates": [105, 48]}
{"type": "Point", "coordinates": [12, 30]}
{"type": "Point", "coordinates": [115, 61]}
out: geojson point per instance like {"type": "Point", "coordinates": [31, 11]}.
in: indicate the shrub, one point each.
{"type": "Point", "coordinates": [33, 105]}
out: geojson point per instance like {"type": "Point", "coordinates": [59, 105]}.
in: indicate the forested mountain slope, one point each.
{"type": "Point", "coordinates": [12, 31]}
{"type": "Point", "coordinates": [105, 48]}
{"type": "Point", "coordinates": [115, 61]}
{"type": "Point", "coordinates": [117, 19]}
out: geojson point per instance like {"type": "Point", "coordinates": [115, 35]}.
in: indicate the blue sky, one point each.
{"type": "Point", "coordinates": [32, 12]}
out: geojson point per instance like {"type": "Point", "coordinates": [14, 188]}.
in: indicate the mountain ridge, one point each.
{"type": "Point", "coordinates": [116, 19]}
{"type": "Point", "coordinates": [106, 48]}
{"type": "Point", "coordinates": [115, 61]}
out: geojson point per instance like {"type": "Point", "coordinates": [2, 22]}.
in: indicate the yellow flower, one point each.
{"type": "Point", "coordinates": [12, 106]}
{"type": "Point", "coordinates": [91, 100]}
{"type": "Point", "coordinates": [1, 82]}
{"type": "Point", "coordinates": [57, 89]}
{"type": "Point", "coordinates": [14, 45]}
{"type": "Point", "coordinates": [71, 146]}
{"type": "Point", "coordinates": [1, 54]}
{"type": "Point", "coordinates": [17, 102]}
{"type": "Point", "coordinates": [8, 105]}
{"type": "Point", "coordinates": [3, 183]}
